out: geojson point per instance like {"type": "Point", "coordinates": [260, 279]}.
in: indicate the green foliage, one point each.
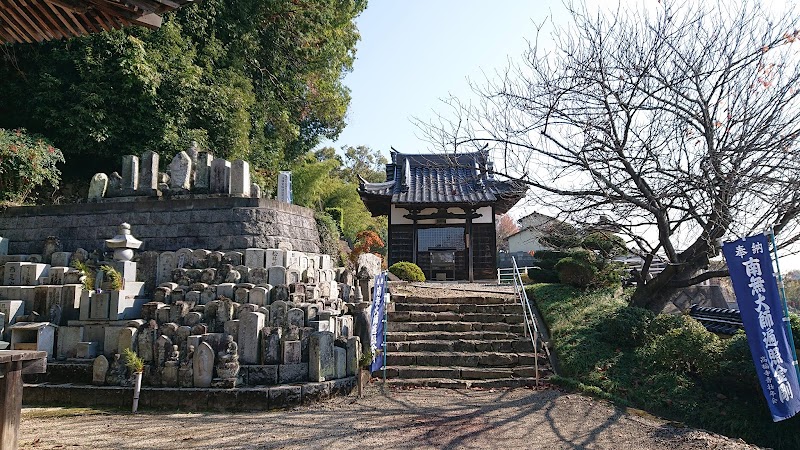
{"type": "Point", "coordinates": [668, 365]}
{"type": "Point", "coordinates": [112, 276]}
{"type": "Point", "coordinates": [246, 79]}
{"type": "Point", "coordinates": [336, 214]}
{"type": "Point", "coordinates": [606, 244]}
{"type": "Point", "coordinates": [88, 273]}
{"type": "Point", "coordinates": [586, 265]}
{"type": "Point", "coordinates": [328, 235]}
{"type": "Point", "coordinates": [317, 185]}
{"type": "Point", "coordinates": [407, 271]}
{"type": "Point", "coordinates": [628, 327]}
{"type": "Point", "coordinates": [576, 271]}
{"type": "Point", "coordinates": [561, 236]}
{"type": "Point", "coordinates": [687, 348]}
{"type": "Point", "coordinates": [545, 271]}
{"type": "Point", "coordinates": [133, 362]}
{"type": "Point", "coordinates": [27, 162]}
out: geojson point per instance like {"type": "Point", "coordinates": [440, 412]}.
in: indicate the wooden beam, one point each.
{"type": "Point", "coordinates": [59, 13]}
{"type": "Point", "coordinates": [13, 26]}
{"type": "Point", "coordinates": [81, 31]}
{"type": "Point", "coordinates": [42, 31]}
{"type": "Point", "coordinates": [51, 21]}
{"type": "Point", "coordinates": [70, 5]}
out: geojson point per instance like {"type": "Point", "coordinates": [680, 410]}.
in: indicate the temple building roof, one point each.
{"type": "Point", "coordinates": [45, 20]}
{"type": "Point", "coordinates": [436, 180]}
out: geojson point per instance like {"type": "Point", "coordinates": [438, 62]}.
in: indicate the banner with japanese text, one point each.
{"type": "Point", "coordinates": [750, 267]}
{"type": "Point", "coordinates": [378, 306]}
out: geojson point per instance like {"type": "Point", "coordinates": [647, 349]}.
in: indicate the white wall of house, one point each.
{"type": "Point", "coordinates": [526, 240]}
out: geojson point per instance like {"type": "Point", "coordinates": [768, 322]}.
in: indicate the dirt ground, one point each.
{"type": "Point", "coordinates": [402, 419]}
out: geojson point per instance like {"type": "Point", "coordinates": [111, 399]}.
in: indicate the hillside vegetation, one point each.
{"type": "Point", "coordinates": [668, 365]}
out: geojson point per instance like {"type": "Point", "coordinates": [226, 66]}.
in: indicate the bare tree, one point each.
{"type": "Point", "coordinates": [678, 123]}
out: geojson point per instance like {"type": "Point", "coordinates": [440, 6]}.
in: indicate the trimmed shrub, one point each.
{"type": "Point", "coordinates": [407, 271]}
{"type": "Point", "coordinates": [628, 326]}
{"type": "Point", "coordinates": [689, 348]}
{"type": "Point", "coordinates": [607, 244]}
{"type": "Point", "coordinates": [545, 271]}
{"type": "Point", "coordinates": [576, 271]}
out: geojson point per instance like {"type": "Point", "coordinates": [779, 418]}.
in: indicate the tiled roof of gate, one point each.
{"type": "Point", "coordinates": [441, 179]}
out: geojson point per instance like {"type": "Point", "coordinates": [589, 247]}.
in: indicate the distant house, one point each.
{"type": "Point", "coordinates": [533, 227]}
{"type": "Point", "coordinates": [442, 210]}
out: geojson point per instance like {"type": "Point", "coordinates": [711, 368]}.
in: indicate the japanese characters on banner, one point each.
{"type": "Point", "coordinates": [378, 306]}
{"type": "Point", "coordinates": [756, 289]}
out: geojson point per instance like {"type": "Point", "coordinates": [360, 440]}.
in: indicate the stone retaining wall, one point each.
{"type": "Point", "coordinates": [208, 222]}
{"type": "Point", "coordinates": [187, 399]}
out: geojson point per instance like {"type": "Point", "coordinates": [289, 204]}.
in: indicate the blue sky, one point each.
{"type": "Point", "coordinates": [413, 53]}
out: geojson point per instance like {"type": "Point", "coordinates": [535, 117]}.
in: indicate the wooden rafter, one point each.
{"type": "Point", "coordinates": [28, 21]}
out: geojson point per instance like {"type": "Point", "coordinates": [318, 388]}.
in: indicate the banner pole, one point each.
{"type": "Point", "coordinates": [782, 291]}
{"type": "Point", "coordinates": [385, 324]}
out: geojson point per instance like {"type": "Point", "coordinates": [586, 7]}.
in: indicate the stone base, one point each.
{"type": "Point", "coordinates": [182, 399]}
{"type": "Point", "coordinates": [223, 383]}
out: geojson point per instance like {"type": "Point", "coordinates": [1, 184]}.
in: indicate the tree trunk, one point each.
{"type": "Point", "coordinates": [657, 292]}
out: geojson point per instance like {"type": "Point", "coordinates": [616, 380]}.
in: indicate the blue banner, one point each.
{"type": "Point", "coordinates": [761, 307]}
{"type": "Point", "coordinates": [378, 307]}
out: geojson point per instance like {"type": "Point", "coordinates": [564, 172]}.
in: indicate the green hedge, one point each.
{"type": "Point", "coordinates": [669, 365]}
{"type": "Point", "coordinates": [407, 271]}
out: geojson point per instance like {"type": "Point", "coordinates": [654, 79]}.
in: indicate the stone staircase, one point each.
{"type": "Point", "coordinates": [476, 340]}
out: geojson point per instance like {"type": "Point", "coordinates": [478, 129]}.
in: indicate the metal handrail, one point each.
{"type": "Point", "coordinates": [532, 320]}
{"type": "Point", "coordinates": [507, 274]}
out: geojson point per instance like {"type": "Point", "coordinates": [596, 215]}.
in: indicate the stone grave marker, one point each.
{"type": "Point", "coordinates": [321, 363]}
{"type": "Point", "coordinates": [275, 257]}
{"type": "Point", "coordinates": [340, 362]}
{"type": "Point", "coordinates": [296, 317]}
{"type": "Point", "coordinates": [271, 345]}
{"type": "Point", "coordinates": [277, 275]}
{"type": "Point", "coordinates": [233, 258]}
{"type": "Point", "coordinates": [250, 325]}
{"type": "Point", "coordinates": [180, 173]}
{"type": "Point", "coordinates": [240, 178]}
{"type": "Point", "coordinates": [98, 186]}
{"type": "Point", "coordinates": [148, 173]}
{"type": "Point", "coordinates": [220, 176]}
{"type": "Point", "coordinates": [130, 175]}
{"type": "Point", "coordinates": [203, 365]}
{"type": "Point", "coordinates": [259, 276]}
{"type": "Point", "coordinates": [99, 370]}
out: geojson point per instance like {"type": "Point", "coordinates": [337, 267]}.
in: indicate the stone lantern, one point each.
{"type": "Point", "coordinates": [124, 244]}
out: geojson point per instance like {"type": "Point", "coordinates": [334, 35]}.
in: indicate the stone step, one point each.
{"type": "Point", "coordinates": [414, 316]}
{"type": "Point", "coordinates": [476, 345]}
{"type": "Point", "coordinates": [455, 326]}
{"type": "Point", "coordinates": [464, 359]}
{"type": "Point", "coordinates": [399, 336]}
{"type": "Point", "coordinates": [461, 373]}
{"type": "Point", "coordinates": [515, 308]}
{"type": "Point", "coordinates": [467, 300]}
{"type": "Point", "coordinates": [447, 383]}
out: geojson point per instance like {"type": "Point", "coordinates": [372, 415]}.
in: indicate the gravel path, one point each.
{"type": "Point", "coordinates": [404, 419]}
